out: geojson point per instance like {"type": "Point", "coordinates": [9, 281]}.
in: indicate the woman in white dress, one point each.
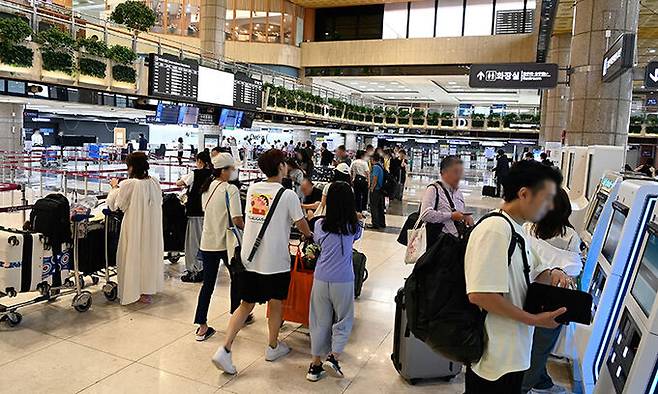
{"type": "Point", "coordinates": [141, 247]}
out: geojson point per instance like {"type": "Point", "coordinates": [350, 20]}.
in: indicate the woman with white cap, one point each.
{"type": "Point", "coordinates": [341, 174]}
{"type": "Point", "coordinates": [219, 200]}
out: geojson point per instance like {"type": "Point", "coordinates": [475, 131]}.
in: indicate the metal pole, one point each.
{"type": "Point", "coordinates": [23, 202]}
{"type": "Point", "coordinates": [41, 182]}
{"type": "Point", "coordinates": [98, 179]}
{"type": "Point", "coordinates": [64, 181]}
{"type": "Point", "coordinates": [170, 168]}
{"type": "Point", "coordinates": [86, 177]}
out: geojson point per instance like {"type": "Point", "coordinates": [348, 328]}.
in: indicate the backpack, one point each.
{"type": "Point", "coordinates": [174, 223]}
{"type": "Point", "coordinates": [51, 216]}
{"type": "Point", "coordinates": [438, 310]}
{"type": "Point", "coordinates": [390, 183]}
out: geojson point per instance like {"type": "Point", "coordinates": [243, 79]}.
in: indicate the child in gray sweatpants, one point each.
{"type": "Point", "coordinates": [332, 297]}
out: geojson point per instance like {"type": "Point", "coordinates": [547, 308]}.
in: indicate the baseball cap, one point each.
{"type": "Point", "coordinates": [343, 167]}
{"type": "Point", "coordinates": [223, 160]}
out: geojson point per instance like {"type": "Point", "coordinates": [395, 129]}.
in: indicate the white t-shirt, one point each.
{"type": "Point", "coordinates": [360, 167]}
{"type": "Point", "coordinates": [273, 256]}
{"type": "Point", "coordinates": [486, 268]}
{"type": "Point", "coordinates": [562, 251]}
{"type": "Point", "coordinates": [215, 223]}
{"type": "Point", "coordinates": [188, 179]}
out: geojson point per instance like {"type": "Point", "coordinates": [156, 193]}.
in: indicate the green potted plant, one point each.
{"type": "Point", "coordinates": [447, 119]}
{"type": "Point", "coordinates": [493, 120]}
{"type": "Point", "coordinates": [651, 123]}
{"type": "Point", "coordinates": [378, 115]}
{"type": "Point", "coordinates": [270, 92]}
{"type": "Point", "coordinates": [403, 116]}
{"type": "Point", "coordinates": [369, 114]}
{"type": "Point", "coordinates": [13, 35]}
{"type": "Point", "coordinates": [433, 118]}
{"type": "Point", "coordinates": [93, 53]}
{"type": "Point", "coordinates": [635, 126]}
{"type": "Point", "coordinates": [477, 120]}
{"type": "Point", "coordinates": [336, 108]}
{"type": "Point", "coordinates": [56, 50]}
{"type": "Point", "coordinates": [418, 117]}
{"type": "Point", "coordinates": [136, 16]}
{"type": "Point", "coordinates": [124, 58]}
{"type": "Point", "coordinates": [391, 115]}
{"type": "Point", "coordinates": [510, 118]}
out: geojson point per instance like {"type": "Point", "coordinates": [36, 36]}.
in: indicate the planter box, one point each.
{"type": "Point", "coordinates": [418, 121]}
{"type": "Point", "coordinates": [635, 129]}
{"type": "Point", "coordinates": [379, 119]}
{"type": "Point", "coordinates": [56, 76]}
{"type": "Point", "coordinates": [477, 123]}
{"type": "Point", "coordinates": [651, 129]}
{"type": "Point", "coordinates": [391, 120]}
{"type": "Point", "coordinates": [14, 69]}
{"type": "Point", "coordinates": [493, 123]}
{"type": "Point", "coordinates": [447, 122]}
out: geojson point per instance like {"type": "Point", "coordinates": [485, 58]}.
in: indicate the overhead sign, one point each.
{"type": "Point", "coordinates": [651, 76]}
{"type": "Point", "coordinates": [513, 75]}
{"type": "Point", "coordinates": [247, 92]}
{"type": "Point", "coordinates": [619, 57]}
{"type": "Point", "coordinates": [172, 78]}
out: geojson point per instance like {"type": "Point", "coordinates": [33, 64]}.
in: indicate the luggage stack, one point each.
{"type": "Point", "coordinates": [174, 224]}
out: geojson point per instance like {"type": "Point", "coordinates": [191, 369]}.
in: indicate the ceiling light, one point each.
{"type": "Point", "coordinates": [652, 50]}
{"type": "Point", "coordinates": [452, 83]}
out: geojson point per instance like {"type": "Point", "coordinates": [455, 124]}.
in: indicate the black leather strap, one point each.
{"type": "Point", "coordinates": [445, 191]}
{"type": "Point", "coordinates": [268, 218]}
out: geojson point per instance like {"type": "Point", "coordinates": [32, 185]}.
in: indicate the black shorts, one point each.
{"type": "Point", "coordinates": [258, 288]}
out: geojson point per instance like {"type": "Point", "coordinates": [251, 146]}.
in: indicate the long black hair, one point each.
{"type": "Point", "coordinates": [340, 217]}
{"type": "Point", "coordinates": [556, 222]}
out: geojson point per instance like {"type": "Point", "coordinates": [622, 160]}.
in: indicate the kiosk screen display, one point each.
{"type": "Point", "coordinates": [646, 281]}
{"type": "Point", "coordinates": [614, 235]}
{"type": "Point", "coordinates": [594, 219]}
{"type": "Point", "coordinates": [570, 172]}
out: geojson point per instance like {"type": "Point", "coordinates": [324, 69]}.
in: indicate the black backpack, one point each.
{"type": "Point", "coordinates": [390, 183]}
{"type": "Point", "coordinates": [438, 310]}
{"type": "Point", "coordinates": [51, 216]}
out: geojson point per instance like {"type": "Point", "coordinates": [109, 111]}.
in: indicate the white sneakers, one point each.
{"type": "Point", "coordinates": [223, 360]}
{"type": "Point", "coordinates": [279, 351]}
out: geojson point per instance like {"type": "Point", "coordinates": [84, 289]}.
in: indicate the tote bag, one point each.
{"type": "Point", "coordinates": [298, 304]}
{"type": "Point", "coordinates": [416, 241]}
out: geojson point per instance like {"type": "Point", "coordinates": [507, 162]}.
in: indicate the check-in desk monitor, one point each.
{"type": "Point", "coordinates": [632, 357]}
{"type": "Point", "coordinates": [596, 213]}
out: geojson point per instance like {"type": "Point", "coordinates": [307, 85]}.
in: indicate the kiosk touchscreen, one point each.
{"type": "Point", "coordinates": [631, 358]}
{"type": "Point", "coordinates": [621, 240]}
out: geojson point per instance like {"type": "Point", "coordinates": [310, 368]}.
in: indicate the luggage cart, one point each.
{"type": "Point", "coordinates": [112, 232]}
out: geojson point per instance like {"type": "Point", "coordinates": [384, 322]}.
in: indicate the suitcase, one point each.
{"type": "Point", "coordinates": [57, 265]}
{"type": "Point", "coordinates": [21, 261]}
{"type": "Point", "coordinates": [489, 191]}
{"type": "Point", "coordinates": [412, 358]}
{"type": "Point", "coordinates": [174, 223]}
{"type": "Point", "coordinates": [91, 249]}
{"type": "Point", "coordinates": [360, 271]}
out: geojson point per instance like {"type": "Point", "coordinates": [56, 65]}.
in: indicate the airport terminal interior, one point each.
{"type": "Point", "coordinates": [425, 135]}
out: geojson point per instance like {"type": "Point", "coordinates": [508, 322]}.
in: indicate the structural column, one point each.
{"type": "Point", "coordinates": [599, 112]}
{"type": "Point", "coordinates": [555, 102]}
{"type": "Point", "coordinates": [212, 20]}
{"type": "Point", "coordinates": [11, 127]}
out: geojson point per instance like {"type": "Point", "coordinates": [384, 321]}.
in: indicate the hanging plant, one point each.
{"type": "Point", "coordinates": [92, 46]}
{"type": "Point", "coordinates": [13, 33]}
{"type": "Point", "coordinates": [477, 120]}
{"type": "Point", "coordinates": [391, 115]}
{"type": "Point", "coordinates": [125, 57]}
{"type": "Point", "coordinates": [123, 73]}
{"type": "Point", "coordinates": [493, 120]}
{"type": "Point", "coordinates": [447, 119]}
{"type": "Point", "coordinates": [92, 67]}
{"type": "Point", "coordinates": [378, 115]}
{"type": "Point", "coordinates": [433, 118]}
{"type": "Point", "coordinates": [418, 117]}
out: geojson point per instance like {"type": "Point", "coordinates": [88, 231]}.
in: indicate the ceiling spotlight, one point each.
{"type": "Point", "coordinates": [652, 50]}
{"type": "Point", "coordinates": [452, 83]}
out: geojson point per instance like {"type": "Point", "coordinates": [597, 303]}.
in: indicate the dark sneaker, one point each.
{"type": "Point", "coordinates": [315, 373]}
{"type": "Point", "coordinates": [250, 320]}
{"type": "Point", "coordinates": [332, 367]}
{"type": "Point", "coordinates": [209, 332]}
{"type": "Point", "coordinates": [192, 277]}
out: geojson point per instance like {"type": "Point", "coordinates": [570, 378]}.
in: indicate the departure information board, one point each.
{"type": "Point", "coordinates": [172, 78]}
{"type": "Point", "coordinates": [247, 92]}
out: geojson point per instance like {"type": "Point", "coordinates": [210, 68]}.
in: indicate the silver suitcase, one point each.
{"type": "Point", "coordinates": [21, 261]}
{"type": "Point", "coordinates": [412, 358]}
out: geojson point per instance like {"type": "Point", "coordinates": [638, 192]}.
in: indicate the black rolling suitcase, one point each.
{"type": "Point", "coordinates": [360, 271]}
{"type": "Point", "coordinates": [174, 223]}
{"type": "Point", "coordinates": [412, 358]}
{"type": "Point", "coordinates": [489, 191]}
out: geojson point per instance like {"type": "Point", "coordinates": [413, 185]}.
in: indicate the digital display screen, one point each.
{"type": "Point", "coordinates": [646, 281]}
{"type": "Point", "coordinates": [167, 113]}
{"type": "Point", "coordinates": [594, 219]}
{"type": "Point", "coordinates": [172, 78]}
{"type": "Point", "coordinates": [231, 118]}
{"type": "Point", "coordinates": [614, 235]}
{"type": "Point", "coordinates": [570, 172]}
{"type": "Point", "coordinates": [17, 87]}
{"type": "Point", "coordinates": [188, 115]}
{"type": "Point", "coordinates": [215, 86]}
{"type": "Point", "coordinates": [247, 92]}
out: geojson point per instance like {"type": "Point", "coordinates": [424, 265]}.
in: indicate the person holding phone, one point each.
{"type": "Point", "coordinates": [443, 204]}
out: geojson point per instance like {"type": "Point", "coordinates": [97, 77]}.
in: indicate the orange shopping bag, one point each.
{"type": "Point", "coordinates": [296, 307]}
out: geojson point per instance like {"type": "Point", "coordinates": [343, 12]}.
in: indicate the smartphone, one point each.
{"type": "Point", "coordinates": [467, 213]}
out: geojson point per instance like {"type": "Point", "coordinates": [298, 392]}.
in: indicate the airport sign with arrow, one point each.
{"type": "Point", "coordinates": [513, 75]}
{"type": "Point", "coordinates": [651, 76]}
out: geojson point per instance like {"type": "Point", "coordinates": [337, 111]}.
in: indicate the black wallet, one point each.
{"type": "Point", "coordinates": [545, 298]}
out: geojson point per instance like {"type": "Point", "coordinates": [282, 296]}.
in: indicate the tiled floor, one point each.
{"type": "Point", "coordinates": [151, 349]}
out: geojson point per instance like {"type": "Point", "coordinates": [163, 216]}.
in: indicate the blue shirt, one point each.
{"type": "Point", "coordinates": [335, 261]}
{"type": "Point", "coordinates": [378, 171]}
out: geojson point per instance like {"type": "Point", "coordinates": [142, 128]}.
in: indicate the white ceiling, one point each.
{"type": "Point", "coordinates": [432, 90]}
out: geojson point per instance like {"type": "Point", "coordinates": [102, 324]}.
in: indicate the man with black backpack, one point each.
{"type": "Point", "coordinates": [377, 178]}
{"type": "Point", "coordinates": [497, 279]}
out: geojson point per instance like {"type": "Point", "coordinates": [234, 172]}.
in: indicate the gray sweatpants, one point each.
{"type": "Point", "coordinates": [331, 316]}
{"type": "Point", "coordinates": [193, 262]}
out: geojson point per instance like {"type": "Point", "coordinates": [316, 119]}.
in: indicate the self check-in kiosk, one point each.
{"type": "Point", "coordinates": [621, 240]}
{"type": "Point", "coordinates": [631, 353]}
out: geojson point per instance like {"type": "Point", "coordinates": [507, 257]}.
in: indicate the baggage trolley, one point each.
{"type": "Point", "coordinates": [112, 232]}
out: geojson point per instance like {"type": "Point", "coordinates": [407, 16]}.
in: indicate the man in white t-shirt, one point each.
{"type": "Point", "coordinates": [267, 273]}
{"type": "Point", "coordinates": [498, 284]}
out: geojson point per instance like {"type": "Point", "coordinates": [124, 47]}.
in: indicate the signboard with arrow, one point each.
{"type": "Point", "coordinates": [513, 75]}
{"type": "Point", "coordinates": [651, 76]}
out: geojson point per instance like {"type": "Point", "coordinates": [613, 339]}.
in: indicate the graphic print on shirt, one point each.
{"type": "Point", "coordinates": [259, 206]}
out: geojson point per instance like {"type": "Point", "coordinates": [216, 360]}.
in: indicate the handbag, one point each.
{"type": "Point", "coordinates": [417, 241]}
{"type": "Point", "coordinates": [233, 241]}
{"type": "Point", "coordinates": [412, 219]}
{"type": "Point", "coordinates": [296, 306]}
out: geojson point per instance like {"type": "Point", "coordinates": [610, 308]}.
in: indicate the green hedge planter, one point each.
{"type": "Point", "coordinates": [123, 73]}
{"type": "Point", "coordinates": [16, 55]}
{"type": "Point", "coordinates": [92, 68]}
{"type": "Point", "coordinates": [477, 122]}
{"type": "Point", "coordinates": [57, 61]}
